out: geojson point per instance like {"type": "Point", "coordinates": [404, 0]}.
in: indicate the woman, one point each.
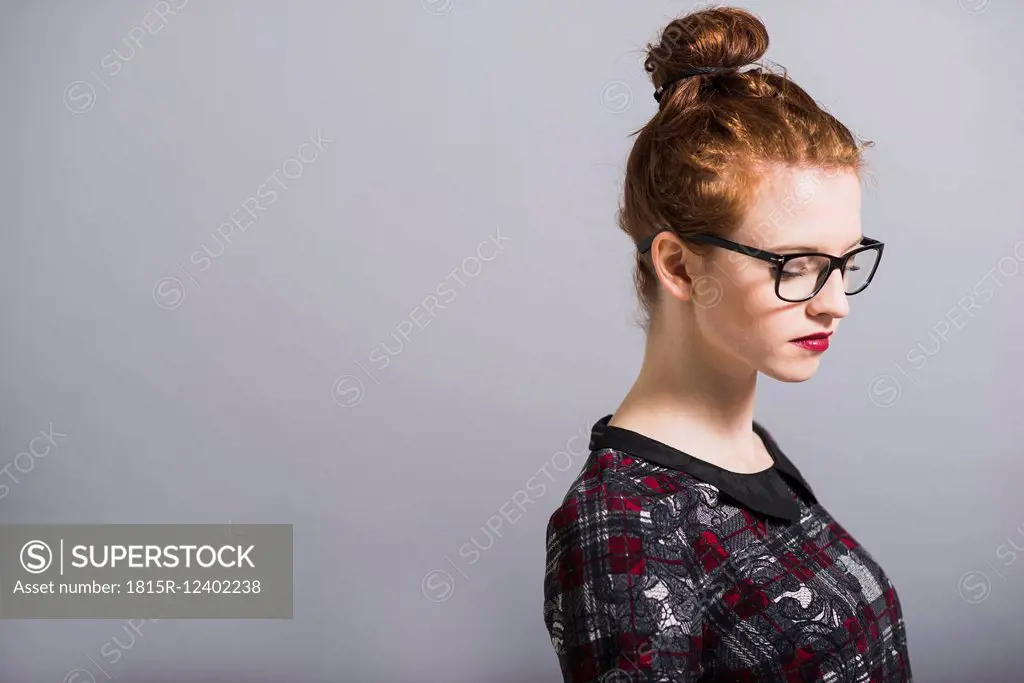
{"type": "Point", "coordinates": [690, 548]}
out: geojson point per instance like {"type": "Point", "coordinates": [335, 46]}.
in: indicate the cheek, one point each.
{"type": "Point", "coordinates": [729, 323]}
{"type": "Point", "coordinates": [748, 320]}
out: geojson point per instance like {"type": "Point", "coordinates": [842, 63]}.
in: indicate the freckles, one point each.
{"type": "Point", "coordinates": [750, 282]}
{"type": "Point", "coordinates": [755, 332]}
{"type": "Point", "coordinates": [760, 299]}
{"type": "Point", "coordinates": [750, 339]}
{"type": "Point", "coordinates": [758, 322]}
{"type": "Point", "coordinates": [740, 323]}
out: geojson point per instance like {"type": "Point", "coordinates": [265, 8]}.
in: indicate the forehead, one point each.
{"type": "Point", "coordinates": [812, 207]}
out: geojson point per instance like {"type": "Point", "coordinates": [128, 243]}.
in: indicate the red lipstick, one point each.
{"type": "Point", "coordinates": [813, 342]}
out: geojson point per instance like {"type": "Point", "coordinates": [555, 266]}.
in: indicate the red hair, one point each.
{"type": "Point", "coordinates": [694, 166]}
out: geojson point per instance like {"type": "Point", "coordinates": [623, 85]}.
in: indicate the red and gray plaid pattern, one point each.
{"type": "Point", "coordinates": [654, 575]}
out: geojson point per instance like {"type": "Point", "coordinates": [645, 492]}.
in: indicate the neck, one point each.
{"type": "Point", "coordinates": [692, 396]}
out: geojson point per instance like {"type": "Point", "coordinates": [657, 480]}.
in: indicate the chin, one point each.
{"type": "Point", "coordinates": [789, 370]}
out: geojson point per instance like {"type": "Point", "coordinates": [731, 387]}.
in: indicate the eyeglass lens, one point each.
{"type": "Point", "coordinates": [803, 276]}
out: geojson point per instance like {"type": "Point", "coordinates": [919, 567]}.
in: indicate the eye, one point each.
{"type": "Point", "coordinates": [796, 268]}
{"type": "Point", "coordinates": [803, 267]}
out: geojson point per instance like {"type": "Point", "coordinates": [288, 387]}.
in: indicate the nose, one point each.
{"type": "Point", "coordinates": [831, 300]}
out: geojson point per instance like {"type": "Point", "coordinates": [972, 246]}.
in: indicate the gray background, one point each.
{"type": "Point", "coordinates": [452, 121]}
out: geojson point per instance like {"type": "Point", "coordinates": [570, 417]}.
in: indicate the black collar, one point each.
{"type": "Point", "coordinates": [761, 491]}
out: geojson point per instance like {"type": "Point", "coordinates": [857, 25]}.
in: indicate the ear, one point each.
{"type": "Point", "coordinates": [676, 267]}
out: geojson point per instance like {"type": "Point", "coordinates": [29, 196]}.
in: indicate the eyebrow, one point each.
{"type": "Point", "coordinates": [798, 248]}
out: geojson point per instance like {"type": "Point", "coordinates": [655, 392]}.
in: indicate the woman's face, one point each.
{"type": "Point", "coordinates": [737, 313]}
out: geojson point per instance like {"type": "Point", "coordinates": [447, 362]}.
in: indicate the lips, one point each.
{"type": "Point", "coordinates": [816, 335]}
{"type": "Point", "coordinates": [813, 342]}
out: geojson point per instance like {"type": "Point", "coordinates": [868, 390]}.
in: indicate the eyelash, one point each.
{"type": "Point", "coordinates": [786, 275]}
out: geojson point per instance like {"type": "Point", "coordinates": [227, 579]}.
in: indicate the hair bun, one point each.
{"type": "Point", "coordinates": [718, 36]}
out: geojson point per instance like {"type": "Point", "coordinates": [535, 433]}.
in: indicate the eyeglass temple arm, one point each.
{"type": "Point", "coordinates": [648, 241]}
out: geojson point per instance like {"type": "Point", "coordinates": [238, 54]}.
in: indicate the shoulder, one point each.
{"type": "Point", "coordinates": [624, 576]}
{"type": "Point", "coordinates": [618, 500]}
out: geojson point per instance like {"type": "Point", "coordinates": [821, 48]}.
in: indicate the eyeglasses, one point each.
{"type": "Point", "coordinates": [799, 277]}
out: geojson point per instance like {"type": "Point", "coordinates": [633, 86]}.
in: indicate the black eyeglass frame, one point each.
{"type": "Point", "coordinates": [780, 260]}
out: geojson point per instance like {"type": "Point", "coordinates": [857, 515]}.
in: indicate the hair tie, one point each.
{"type": "Point", "coordinates": [686, 73]}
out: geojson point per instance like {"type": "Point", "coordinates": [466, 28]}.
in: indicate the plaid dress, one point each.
{"type": "Point", "coordinates": [663, 567]}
